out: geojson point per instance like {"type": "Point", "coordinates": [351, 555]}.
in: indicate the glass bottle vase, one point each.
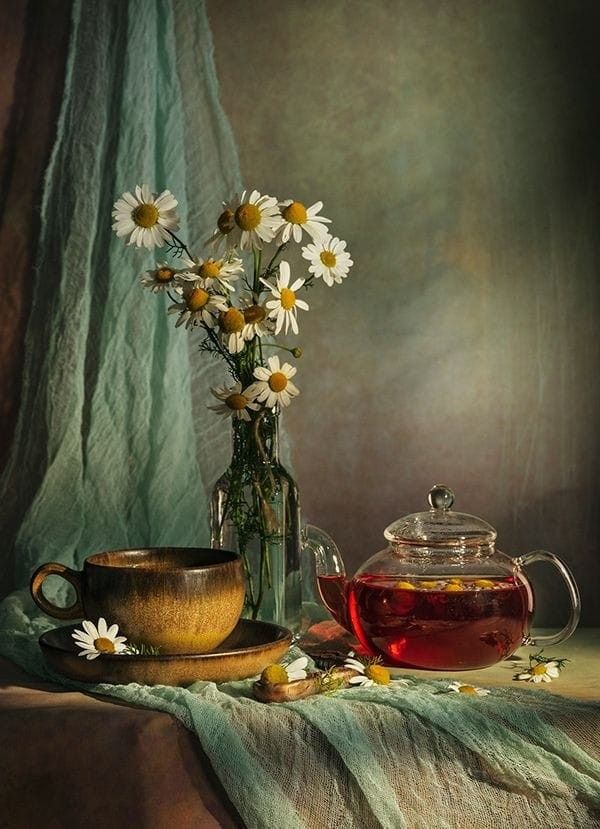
{"type": "Point", "coordinates": [255, 510]}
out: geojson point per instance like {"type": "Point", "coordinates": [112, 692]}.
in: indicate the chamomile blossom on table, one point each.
{"type": "Point", "coordinates": [369, 672]}
{"type": "Point", "coordinates": [465, 688]}
{"type": "Point", "coordinates": [280, 674]}
{"type": "Point", "coordinates": [542, 672]}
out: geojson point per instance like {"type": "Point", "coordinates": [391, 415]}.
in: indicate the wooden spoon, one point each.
{"type": "Point", "coordinates": [301, 688]}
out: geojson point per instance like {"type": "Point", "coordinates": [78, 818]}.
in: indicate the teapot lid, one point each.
{"type": "Point", "coordinates": [440, 525]}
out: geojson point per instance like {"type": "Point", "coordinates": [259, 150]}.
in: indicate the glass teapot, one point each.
{"type": "Point", "coordinates": [440, 596]}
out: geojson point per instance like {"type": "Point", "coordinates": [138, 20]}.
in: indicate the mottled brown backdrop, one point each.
{"type": "Point", "coordinates": [456, 147]}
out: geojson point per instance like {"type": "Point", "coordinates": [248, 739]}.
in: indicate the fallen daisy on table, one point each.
{"type": "Point", "coordinates": [541, 668]}
{"type": "Point", "coordinates": [280, 674]}
{"type": "Point", "coordinates": [97, 640]}
{"type": "Point", "coordinates": [542, 672]}
{"type": "Point", "coordinates": [370, 672]}
{"type": "Point", "coordinates": [463, 688]}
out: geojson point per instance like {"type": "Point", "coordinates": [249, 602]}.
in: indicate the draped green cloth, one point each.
{"type": "Point", "coordinates": [403, 757]}
{"type": "Point", "coordinates": [113, 449]}
{"type": "Point", "coordinates": [114, 446]}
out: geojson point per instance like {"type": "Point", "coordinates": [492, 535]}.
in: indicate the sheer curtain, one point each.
{"type": "Point", "coordinates": [110, 448]}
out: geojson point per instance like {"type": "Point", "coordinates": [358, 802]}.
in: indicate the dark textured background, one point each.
{"type": "Point", "coordinates": [456, 146]}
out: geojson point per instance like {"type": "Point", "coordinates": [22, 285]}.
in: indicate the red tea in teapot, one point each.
{"type": "Point", "coordinates": [442, 623]}
{"type": "Point", "coordinates": [333, 592]}
{"type": "Point", "coordinates": [455, 623]}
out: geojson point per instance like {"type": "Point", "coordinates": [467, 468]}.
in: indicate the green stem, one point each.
{"type": "Point", "coordinates": [224, 353]}
{"type": "Point", "coordinates": [277, 253]}
{"type": "Point", "coordinates": [257, 255]}
{"type": "Point", "coordinates": [180, 243]}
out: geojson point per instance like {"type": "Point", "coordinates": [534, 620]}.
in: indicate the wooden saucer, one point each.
{"type": "Point", "coordinates": [250, 648]}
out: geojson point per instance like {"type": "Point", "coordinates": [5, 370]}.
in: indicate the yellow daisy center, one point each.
{"type": "Point", "coordinates": [225, 221]}
{"type": "Point", "coordinates": [164, 274]}
{"type": "Point", "coordinates": [232, 321]}
{"type": "Point", "coordinates": [197, 299]}
{"type": "Point", "coordinates": [255, 313]}
{"type": "Point", "coordinates": [328, 258]}
{"type": "Point", "coordinates": [379, 674]}
{"type": "Point", "coordinates": [104, 645]}
{"type": "Point", "coordinates": [538, 670]}
{"type": "Point", "coordinates": [236, 402]}
{"type": "Point", "coordinates": [209, 269]}
{"type": "Point", "coordinates": [247, 216]}
{"type": "Point", "coordinates": [145, 215]}
{"type": "Point", "coordinates": [467, 689]}
{"type": "Point", "coordinates": [278, 381]}
{"type": "Point", "coordinates": [274, 675]}
{"type": "Point", "coordinates": [295, 213]}
{"type": "Point", "coordinates": [288, 299]}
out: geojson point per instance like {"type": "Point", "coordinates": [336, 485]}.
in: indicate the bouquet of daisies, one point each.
{"type": "Point", "coordinates": [238, 308]}
{"type": "Point", "coordinates": [241, 297]}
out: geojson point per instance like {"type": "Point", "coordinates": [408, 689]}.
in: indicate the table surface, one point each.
{"type": "Point", "coordinates": [73, 760]}
{"type": "Point", "coordinates": [580, 677]}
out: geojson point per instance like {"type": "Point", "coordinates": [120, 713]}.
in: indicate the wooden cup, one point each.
{"type": "Point", "coordinates": [179, 599]}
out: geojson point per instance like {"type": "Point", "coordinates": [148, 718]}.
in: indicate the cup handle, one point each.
{"type": "Point", "coordinates": [543, 555]}
{"type": "Point", "coordinates": [53, 568]}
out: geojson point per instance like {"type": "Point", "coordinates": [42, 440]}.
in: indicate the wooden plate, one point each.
{"type": "Point", "coordinates": [250, 648]}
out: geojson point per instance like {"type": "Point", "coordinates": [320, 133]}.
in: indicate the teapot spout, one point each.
{"type": "Point", "coordinates": [328, 571]}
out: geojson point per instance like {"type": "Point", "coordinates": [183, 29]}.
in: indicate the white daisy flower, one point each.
{"type": "Point", "coordinates": [542, 672]}
{"type": "Point", "coordinates": [162, 278]}
{"type": "Point", "coordinates": [296, 218]}
{"type": "Point", "coordinates": [280, 674]}
{"type": "Point", "coordinates": [462, 688]}
{"type": "Point", "coordinates": [210, 273]}
{"type": "Point", "coordinates": [274, 384]}
{"type": "Point", "coordinates": [232, 324]}
{"type": "Point", "coordinates": [371, 673]}
{"type": "Point", "coordinates": [222, 235]}
{"type": "Point", "coordinates": [234, 402]}
{"type": "Point", "coordinates": [284, 307]}
{"type": "Point", "coordinates": [197, 306]}
{"type": "Point", "coordinates": [296, 669]}
{"type": "Point", "coordinates": [94, 641]}
{"type": "Point", "coordinates": [148, 217]}
{"type": "Point", "coordinates": [257, 322]}
{"type": "Point", "coordinates": [257, 219]}
{"type": "Point", "coordinates": [329, 259]}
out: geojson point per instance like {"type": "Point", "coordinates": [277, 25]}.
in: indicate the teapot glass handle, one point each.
{"type": "Point", "coordinates": [569, 628]}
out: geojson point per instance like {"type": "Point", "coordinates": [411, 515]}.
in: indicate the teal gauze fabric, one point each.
{"type": "Point", "coordinates": [113, 449]}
